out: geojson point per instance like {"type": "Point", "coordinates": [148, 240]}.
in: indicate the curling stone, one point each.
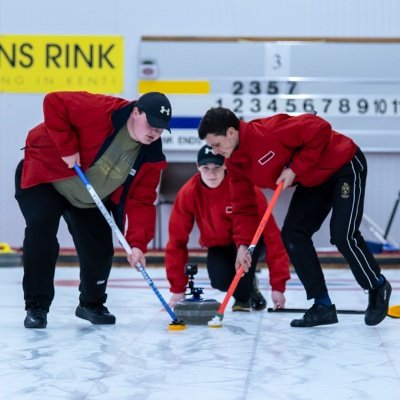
{"type": "Point", "coordinates": [195, 310]}
{"type": "Point", "coordinates": [9, 257]}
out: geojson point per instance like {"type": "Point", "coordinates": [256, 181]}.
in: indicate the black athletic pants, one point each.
{"type": "Point", "coordinates": [221, 270]}
{"type": "Point", "coordinates": [343, 193]}
{"type": "Point", "coordinates": [42, 207]}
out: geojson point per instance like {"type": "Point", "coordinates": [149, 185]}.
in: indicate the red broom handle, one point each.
{"type": "Point", "coordinates": [253, 244]}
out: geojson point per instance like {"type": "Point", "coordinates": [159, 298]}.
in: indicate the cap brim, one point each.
{"type": "Point", "coordinates": [158, 122]}
{"type": "Point", "coordinates": [210, 160]}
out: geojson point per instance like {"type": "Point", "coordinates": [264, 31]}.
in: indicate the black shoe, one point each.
{"type": "Point", "coordinates": [317, 315]}
{"type": "Point", "coordinates": [35, 318]}
{"type": "Point", "coordinates": [243, 306]}
{"type": "Point", "coordinates": [257, 300]}
{"type": "Point", "coordinates": [378, 304]}
{"type": "Point", "coordinates": [96, 315]}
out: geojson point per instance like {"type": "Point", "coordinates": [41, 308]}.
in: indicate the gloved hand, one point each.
{"type": "Point", "coordinates": [175, 298]}
{"type": "Point", "coordinates": [278, 298]}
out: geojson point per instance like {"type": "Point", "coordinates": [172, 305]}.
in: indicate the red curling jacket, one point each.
{"type": "Point", "coordinates": [85, 122]}
{"type": "Point", "coordinates": [305, 143]}
{"type": "Point", "coordinates": [212, 210]}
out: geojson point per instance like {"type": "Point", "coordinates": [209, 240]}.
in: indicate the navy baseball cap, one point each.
{"type": "Point", "coordinates": [206, 156]}
{"type": "Point", "coordinates": [157, 108]}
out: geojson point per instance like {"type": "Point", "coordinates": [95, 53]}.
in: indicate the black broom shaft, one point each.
{"type": "Point", "coordinates": [303, 310]}
{"type": "Point", "coordinates": [389, 224]}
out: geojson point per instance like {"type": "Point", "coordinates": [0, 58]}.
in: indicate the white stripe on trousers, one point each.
{"type": "Point", "coordinates": [353, 217]}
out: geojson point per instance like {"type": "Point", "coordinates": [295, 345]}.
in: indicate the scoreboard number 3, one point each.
{"type": "Point", "coordinates": [277, 60]}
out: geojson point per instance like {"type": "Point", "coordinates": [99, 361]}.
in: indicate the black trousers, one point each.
{"type": "Point", "coordinates": [42, 207]}
{"type": "Point", "coordinates": [221, 270]}
{"type": "Point", "coordinates": [343, 193]}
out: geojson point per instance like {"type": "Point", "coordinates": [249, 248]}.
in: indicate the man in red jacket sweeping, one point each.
{"type": "Point", "coordinates": [329, 172]}
{"type": "Point", "coordinates": [205, 199]}
{"type": "Point", "coordinates": [118, 144]}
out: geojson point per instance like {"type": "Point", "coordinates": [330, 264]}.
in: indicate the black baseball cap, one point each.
{"type": "Point", "coordinates": [206, 156]}
{"type": "Point", "coordinates": [157, 108]}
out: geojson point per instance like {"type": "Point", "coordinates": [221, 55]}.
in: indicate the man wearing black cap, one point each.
{"type": "Point", "coordinates": [117, 143]}
{"type": "Point", "coordinates": [205, 199]}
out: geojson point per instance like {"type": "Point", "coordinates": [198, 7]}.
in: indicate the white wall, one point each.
{"type": "Point", "coordinates": [132, 19]}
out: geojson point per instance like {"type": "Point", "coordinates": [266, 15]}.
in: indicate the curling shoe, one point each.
{"type": "Point", "coordinates": [378, 304]}
{"type": "Point", "coordinates": [317, 315]}
{"type": "Point", "coordinates": [257, 300]}
{"type": "Point", "coordinates": [98, 315]}
{"type": "Point", "coordinates": [35, 318]}
{"type": "Point", "coordinates": [242, 306]}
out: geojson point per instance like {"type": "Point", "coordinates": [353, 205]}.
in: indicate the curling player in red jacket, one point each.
{"type": "Point", "coordinates": [205, 199]}
{"type": "Point", "coordinates": [329, 171]}
{"type": "Point", "coordinates": [117, 143]}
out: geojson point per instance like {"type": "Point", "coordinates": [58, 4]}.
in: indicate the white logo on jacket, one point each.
{"type": "Point", "coordinates": [229, 209]}
{"type": "Point", "coordinates": [266, 157]}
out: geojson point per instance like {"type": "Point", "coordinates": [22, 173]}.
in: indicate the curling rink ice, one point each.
{"type": "Point", "coordinates": [254, 356]}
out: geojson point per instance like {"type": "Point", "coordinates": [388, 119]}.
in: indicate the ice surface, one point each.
{"type": "Point", "coordinates": [254, 356]}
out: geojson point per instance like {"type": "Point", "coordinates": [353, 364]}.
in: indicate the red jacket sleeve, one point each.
{"type": "Point", "coordinates": [276, 256]}
{"type": "Point", "coordinates": [180, 226]}
{"type": "Point", "coordinates": [243, 197]}
{"type": "Point", "coordinates": [140, 211]}
{"type": "Point", "coordinates": [311, 135]}
{"type": "Point", "coordinates": [67, 113]}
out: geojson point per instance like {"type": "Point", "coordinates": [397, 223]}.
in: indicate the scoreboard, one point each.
{"type": "Point", "coordinates": [352, 83]}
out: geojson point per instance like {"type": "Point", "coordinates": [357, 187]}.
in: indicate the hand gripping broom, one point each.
{"type": "Point", "coordinates": [175, 324]}
{"type": "Point", "coordinates": [216, 322]}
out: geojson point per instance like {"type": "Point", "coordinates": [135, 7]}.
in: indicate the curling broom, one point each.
{"type": "Point", "coordinates": [216, 322]}
{"type": "Point", "coordinates": [175, 324]}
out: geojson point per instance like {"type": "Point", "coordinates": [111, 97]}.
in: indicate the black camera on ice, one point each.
{"type": "Point", "coordinates": [191, 270]}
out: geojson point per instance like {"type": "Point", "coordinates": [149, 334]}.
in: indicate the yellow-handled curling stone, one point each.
{"type": "Point", "coordinates": [394, 311]}
{"type": "Point", "coordinates": [8, 256]}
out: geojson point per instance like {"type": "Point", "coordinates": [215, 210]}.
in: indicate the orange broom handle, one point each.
{"type": "Point", "coordinates": [253, 244]}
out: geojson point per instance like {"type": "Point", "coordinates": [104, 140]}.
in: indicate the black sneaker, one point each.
{"type": "Point", "coordinates": [378, 304]}
{"type": "Point", "coordinates": [317, 315]}
{"type": "Point", "coordinates": [243, 306]}
{"type": "Point", "coordinates": [257, 300]}
{"type": "Point", "coordinates": [96, 315]}
{"type": "Point", "coordinates": [35, 318]}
